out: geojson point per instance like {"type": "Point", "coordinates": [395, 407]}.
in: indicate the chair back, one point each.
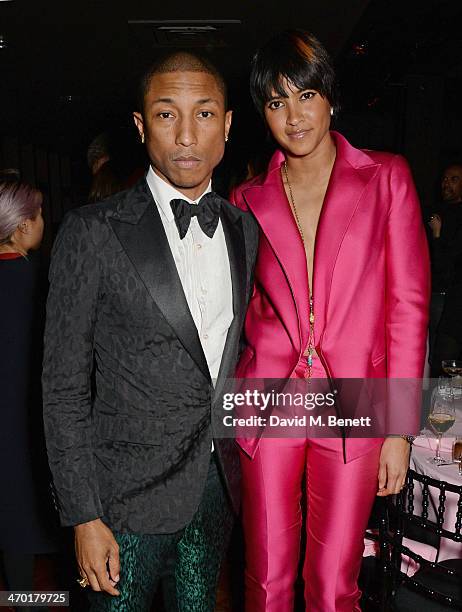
{"type": "Point", "coordinates": [401, 512]}
{"type": "Point", "coordinates": [442, 526]}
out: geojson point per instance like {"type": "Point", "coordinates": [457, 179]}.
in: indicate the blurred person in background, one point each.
{"type": "Point", "coordinates": [98, 153]}
{"type": "Point", "coordinates": [24, 501]}
{"type": "Point", "coordinates": [116, 161]}
{"type": "Point", "coordinates": [446, 253]}
{"type": "Point", "coordinates": [105, 181]}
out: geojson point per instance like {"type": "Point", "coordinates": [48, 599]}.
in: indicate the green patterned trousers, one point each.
{"type": "Point", "coordinates": [187, 563]}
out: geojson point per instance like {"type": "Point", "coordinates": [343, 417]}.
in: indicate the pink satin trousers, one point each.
{"type": "Point", "coordinates": [339, 501]}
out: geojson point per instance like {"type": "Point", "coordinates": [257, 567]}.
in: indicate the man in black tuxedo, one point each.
{"type": "Point", "coordinates": [148, 294]}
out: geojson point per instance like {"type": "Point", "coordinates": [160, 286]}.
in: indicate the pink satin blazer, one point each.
{"type": "Point", "coordinates": [371, 279]}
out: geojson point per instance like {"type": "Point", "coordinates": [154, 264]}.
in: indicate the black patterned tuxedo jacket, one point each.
{"type": "Point", "coordinates": [134, 447]}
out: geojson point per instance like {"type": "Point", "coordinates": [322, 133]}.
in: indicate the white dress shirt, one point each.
{"type": "Point", "coordinates": [203, 268]}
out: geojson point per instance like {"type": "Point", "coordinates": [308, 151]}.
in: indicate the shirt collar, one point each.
{"type": "Point", "coordinates": [163, 193]}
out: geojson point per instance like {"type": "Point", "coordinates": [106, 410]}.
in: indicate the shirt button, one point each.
{"type": "Point", "coordinates": [205, 336]}
{"type": "Point", "coordinates": [199, 246]}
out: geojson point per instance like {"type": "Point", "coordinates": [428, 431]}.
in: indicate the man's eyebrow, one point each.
{"type": "Point", "coordinates": [172, 101]}
{"type": "Point", "coordinates": [207, 101]}
{"type": "Point", "coordinates": [163, 100]}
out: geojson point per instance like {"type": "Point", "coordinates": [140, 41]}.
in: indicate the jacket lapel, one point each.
{"type": "Point", "coordinates": [139, 228]}
{"type": "Point", "coordinates": [352, 172]}
{"type": "Point", "coordinates": [269, 204]}
{"type": "Point", "coordinates": [231, 219]}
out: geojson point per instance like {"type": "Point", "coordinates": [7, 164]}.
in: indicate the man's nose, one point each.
{"type": "Point", "coordinates": [186, 134]}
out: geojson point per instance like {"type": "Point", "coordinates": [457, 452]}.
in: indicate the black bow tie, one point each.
{"type": "Point", "coordinates": [207, 212]}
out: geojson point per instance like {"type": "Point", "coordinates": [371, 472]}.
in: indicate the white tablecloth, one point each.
{"type": "Point", "coordinates": [424, 447]}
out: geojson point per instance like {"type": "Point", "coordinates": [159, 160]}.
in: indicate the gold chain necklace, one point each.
{"type": "Point", "coordinates": [310, 296]}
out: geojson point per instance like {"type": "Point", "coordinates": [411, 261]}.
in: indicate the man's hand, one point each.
{"type": "Point", "coordinates": [97, 556]}
{"type": "Point", "coordinates": [394, 461]}
{"type": "Point", "coordinates": [435, 224]}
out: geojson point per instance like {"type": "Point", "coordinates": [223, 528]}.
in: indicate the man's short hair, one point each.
{"type": "Point", "coordinates": [180, 61]}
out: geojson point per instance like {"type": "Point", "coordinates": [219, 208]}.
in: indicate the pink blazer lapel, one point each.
{"type": "Point", "coordinates": [352, 172]}
{"type": "Point", "coordinates": [269, 204]}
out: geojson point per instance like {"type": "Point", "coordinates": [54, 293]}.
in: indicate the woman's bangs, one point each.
{"type": "Point", "coordinates": [300, 76]}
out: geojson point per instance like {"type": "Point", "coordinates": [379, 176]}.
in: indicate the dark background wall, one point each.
{"type": "Point", "coordinates": [69, 69]}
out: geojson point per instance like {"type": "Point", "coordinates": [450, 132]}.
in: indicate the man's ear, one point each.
{"type": "Point", "coordinates": [138, 119]}
{"type": "Point", "coordinates": [228, 121]}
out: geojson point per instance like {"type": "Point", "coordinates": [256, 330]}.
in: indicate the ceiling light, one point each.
{"type": "Point", "coordinates": [187, 26]}
{"type": "Point", "coordinates": [205, 33]}
{"type": "Point", "coordinates": [188, 29]}
{"type": "Point", "coordinates": [186, 22]}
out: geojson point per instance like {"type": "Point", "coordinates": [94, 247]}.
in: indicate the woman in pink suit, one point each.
{"type": "Point", "coordinates": [353, 307]}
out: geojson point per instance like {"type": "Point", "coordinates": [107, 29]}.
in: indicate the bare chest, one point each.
{"type": "Point", "coordinates": [306, 204]}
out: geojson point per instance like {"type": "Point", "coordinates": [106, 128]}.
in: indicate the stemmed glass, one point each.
{"type": "Point", "coordinates": [441, 418]}
{"type": "Point", "coordinates": [457, 453]}
{"type": "Point", "coordinates": [453, 368]}
{"type": "Point", "coordinates": [445, 386]}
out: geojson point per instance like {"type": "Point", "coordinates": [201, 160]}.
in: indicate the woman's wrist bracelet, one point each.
{"type": "Point", "coordinates": [409, 439]}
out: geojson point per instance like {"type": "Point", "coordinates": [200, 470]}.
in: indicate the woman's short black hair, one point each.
{"type": "Point", "coordinates": [299, 57]}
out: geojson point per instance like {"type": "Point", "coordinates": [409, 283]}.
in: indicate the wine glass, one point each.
{"type": "Point", "coordinates": [457, 453]}
{"type": "Point", "coordinates": [453, 368]}
{"type": "Point", "coordinates": [441, 418]}
{"type": "Point", "coordinates": [445, 386]}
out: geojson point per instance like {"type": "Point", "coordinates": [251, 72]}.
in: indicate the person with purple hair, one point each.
{"type": "Point", "coordinates": [21, 221]}
{"type": "Point", "coordinates": [23, 529]}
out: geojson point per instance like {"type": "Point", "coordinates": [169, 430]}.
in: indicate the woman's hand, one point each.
{"type": "Point", "coordinates": [394, 462]}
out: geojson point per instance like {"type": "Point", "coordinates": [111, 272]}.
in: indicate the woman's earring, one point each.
{"type": "Point", "coordinates": [226, 138]}
{"type": "Point", "coordinates": [331, 112]}
{"type": "Point", "coordinates": [142, 138]}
